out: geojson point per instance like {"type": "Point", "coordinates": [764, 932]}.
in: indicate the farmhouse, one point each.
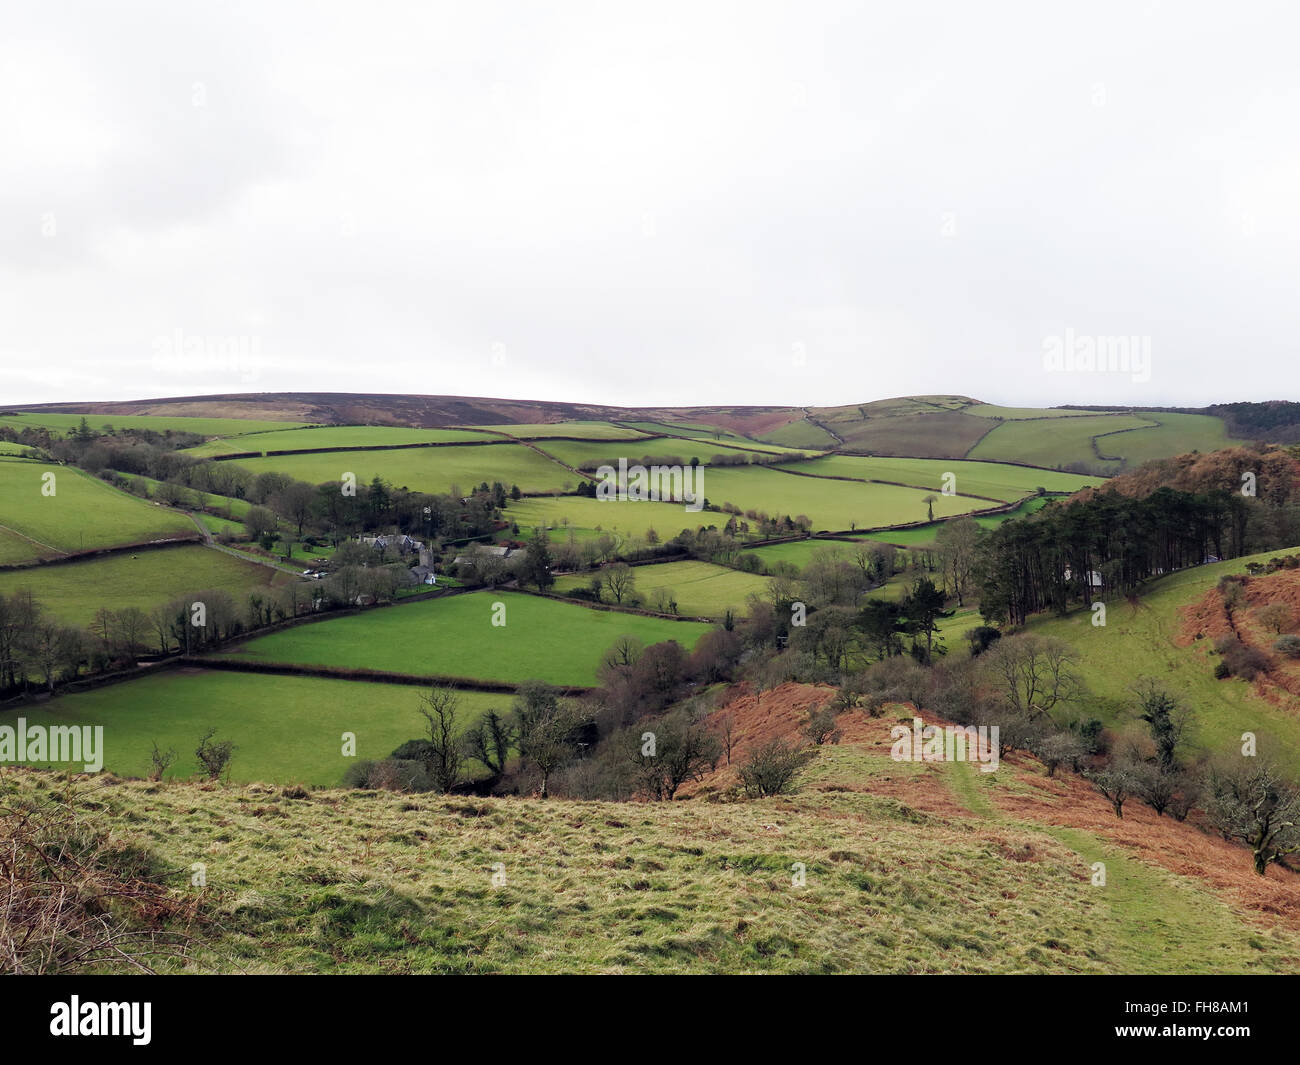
{"type": "Point", "coordinates": [1094, 578]}
{"type": "Point", "coordinates": [496, 549]}
{"type": "Point", "coordinates": [405, 544]}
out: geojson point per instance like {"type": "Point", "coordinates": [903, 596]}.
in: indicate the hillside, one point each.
{"type": "Point", "coordinates": [910, 868]}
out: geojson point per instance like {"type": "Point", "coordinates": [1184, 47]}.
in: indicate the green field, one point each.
{"type": "Point", "coordinates": [73, 591]}
{"type": "Point", "coordinates": [159, 424]}
{"type": "Point", "coordinates": [542, 639]}
{"type": "Point", "coordinates": [801, 434]}
{"type": "Point", "coordinates": [700, 588]}
{"type": "Point", "coordinates": [829, 503]}
{"type": "Point", "coordinates": [1176, 434]}
{"type": "Point", "coordinates": [1137, 643]}
{"type": "Point", "coordinates": [997, 480]}
{"type": "Point", "coordinates": [287, 729]}
{"type": "Point", "coordinates": [1012, 414]}
{"type": "Point", "coordinates": [340, 436]}
{"type": "Point", "coordinates": [624, 519]}
{"type": "Point", "coordinates": [574, 452]}
{"type": "Point", "coordinates": [434, 469]}
{"type": "Point", "coordinates": [546, 430]}
{"type": "Point", "coordinates": [1123, 440]}
{"type": "Point", "coordinates": [907, 427]}
{"type": "Point", "coordinates": [923, 535]}
{"type": "Point", "coordinates": [84, 513]}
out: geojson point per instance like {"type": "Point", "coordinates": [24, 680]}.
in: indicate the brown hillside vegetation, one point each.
{"type": "Point", "coordinates": [1270, 606]}
{"type": "Point", "coordinates": [341, 408]}
{"type": "Point", "coordinates": [1019, 792]}
{"type": "Point", "coordinates": [1277, 474]}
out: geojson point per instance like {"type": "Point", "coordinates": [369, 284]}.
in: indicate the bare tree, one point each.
{"type": "Point", "coordinates": [1254, 804]}
{"type": "Point", "coordinates": [442, 756]}
{"type": "Point", "coordinates": [1117, 783]}
{"type": "Point", "coordinates": [620, 579]}
{"type": "Point", "coordinates": [489, 740]}
{"type": "Point", "coordinates": [1034, 672]}
{"type": "Point", "coordinates": [546, 725]}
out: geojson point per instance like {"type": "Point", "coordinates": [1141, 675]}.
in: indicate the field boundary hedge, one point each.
{"type": "Point", "coordinates": [102, 552]}
{"type": "Point", "coordinates": [355, 447]}
{"type": "Point", "coordinates": [373, 676]}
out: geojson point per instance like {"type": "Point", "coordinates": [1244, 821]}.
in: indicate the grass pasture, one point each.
{"type": "Point", "coordinates": [701, 589]}
{"type": "Point", "coordinates": [63, 423]}
{"type": "Point", "coordinates": [574, 452]}
{"type": "Point", "coordinates": [1102, 443]}
{"type": "Point", "coordinates": [287, 729]}
{"type": "Point", "coordinates": [84, 513]}
{"type": "Point", "coordinates": [801, 434]}
{"type": "Point", "coordinates": [73, 591]}
{"type": "Point", "coordinates": [831, 504]}
{"type": "Point", "coordinates": [997, 480]}
{"type": "Point", "coordinates": [1140, 642]}
{"type": "Point", "coordinates": [585, 429]}
{"type": "Point", "coordinates": [542, 639]}
{"type": "Point", "coordinates": [335, 436]}
{"type": "Point", "coordinates": [434, 469]}
{"type": "Point", "coordinates": [623, 519]}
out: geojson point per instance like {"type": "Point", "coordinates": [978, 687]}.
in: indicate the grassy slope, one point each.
{"type": "Point", "coordinates": [1056, 441]}
{"type": "Point", "coordinates": [1140, 643]}
{"type": "Point", "coordinates": [83, 513]}
{"type": "Point", "coordinates": [910, 868]}
{"type": "Point", "coordinates": [561, 643]}
{"type": "Point", "coordinates": [374, 882]}
{"type": "Point", "coordinates": [72, 592]}
{"type": "Point", "coordinates": [1000, 481]}
{"type": "Point", "coordinates": [1127, 439]}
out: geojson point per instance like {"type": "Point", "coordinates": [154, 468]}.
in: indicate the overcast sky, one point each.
{"type": "Point", "coordinates": [698, 203]}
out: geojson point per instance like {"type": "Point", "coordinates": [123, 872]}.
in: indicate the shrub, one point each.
{"type": "Point", "coordinates": [981, 637]}
{"type": "Point", "coordinates": [1241, 659]}
{"type": "Point", "coordinates": [820, 726]}
{"type": "Point", "coordinates": [1059, 748]}
{"type": "Point", "coordinates": [1288, 645]}
{"type": "Point", "coordinates": [771, 769]}
{"type": "Point", "coordinates": [214, 755]}
{"type": "Point", "coordinates": [388, 774]}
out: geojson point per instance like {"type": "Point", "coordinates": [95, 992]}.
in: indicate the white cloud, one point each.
{"type": "Point", "coordinates": [648, 205]}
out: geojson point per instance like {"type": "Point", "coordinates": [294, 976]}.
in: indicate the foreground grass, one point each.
{"type": "Point", "coordinates": [373, 882]}
{"type": "Point", "coordinates": [338, 882]}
